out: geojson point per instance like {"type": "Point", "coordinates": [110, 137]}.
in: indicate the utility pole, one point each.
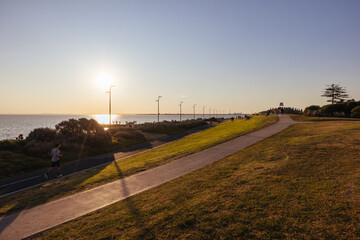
{"type": "Point", "coordinates": [180, 109]}
{"type": "Point", "coordinates": [158, 101]}
{"type": "Point", "coordinates": [194, 110]}
{"type": "Point", "coordinates": [109, 92]}
{"type": "Point", "coordinates": [203, 112]}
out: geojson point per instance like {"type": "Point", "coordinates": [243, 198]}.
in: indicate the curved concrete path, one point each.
{"type": "Point", "coordinates": [40, 218]}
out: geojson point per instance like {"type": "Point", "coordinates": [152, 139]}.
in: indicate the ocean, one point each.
{"type": "Point", "coordinates": [11, 126]}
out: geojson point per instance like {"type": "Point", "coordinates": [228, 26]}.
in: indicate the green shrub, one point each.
{"type": "Point", "coordinates": [334, 110]}
{"type": "Point", "coordinates": [8, 145]}
{"type": "Point", "coordinates": [35, 148]}
{"type": "Point", "coordinates": [99, 139]}
{"type": "Point", "coordinates": [5, 155]}
{"type": "Point", "coordinates": [129, 134]}
{"type": "Point", "coordinates": [42, 135]}
{"type": "Point", "coordinates": [355, 112]}
{"type": "Point", "coordinates": [312, 110]}
{"type": "Point", "coordinates": [73, 127]}
{"type": "Point", "coordinates": [172, 127]}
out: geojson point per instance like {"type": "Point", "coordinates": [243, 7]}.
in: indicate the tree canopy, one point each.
{"type": "Point", "coordinates": [336, 93]}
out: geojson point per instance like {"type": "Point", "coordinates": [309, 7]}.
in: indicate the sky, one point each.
{"type": "Point", "coordinates": [240, 56]}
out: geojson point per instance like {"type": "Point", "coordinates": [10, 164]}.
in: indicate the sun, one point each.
{"type": "Point", "coordinates": [105, 80]}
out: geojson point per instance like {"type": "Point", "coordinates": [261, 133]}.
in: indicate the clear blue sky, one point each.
{"type": "Point", "coordinates": [243, 56]}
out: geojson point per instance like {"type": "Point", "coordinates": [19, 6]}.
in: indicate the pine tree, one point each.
{"type": "Point", "coordinates": [336, 93]}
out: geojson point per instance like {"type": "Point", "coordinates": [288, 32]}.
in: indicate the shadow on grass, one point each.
{"type": "Point", "coordinates": [37, 197]}
{"type": "Point", "coordinates": [145, 233]}
{"type": "Point", "coordinates": [43, 197]}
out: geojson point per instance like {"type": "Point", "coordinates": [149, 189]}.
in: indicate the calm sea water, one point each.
{"type": "Point", "coordinates": [13, 125]}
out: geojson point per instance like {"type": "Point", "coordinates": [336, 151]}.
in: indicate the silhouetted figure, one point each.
{"type": "Point", "coordinates": [55, 161]}
{"type": "Point", "coordinates": [282, 111]}
{"type": "Point", "coordinates": [20, 137]}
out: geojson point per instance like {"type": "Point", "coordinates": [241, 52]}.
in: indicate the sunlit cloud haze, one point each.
{"type": "Point", "coordinates": [242, 56]}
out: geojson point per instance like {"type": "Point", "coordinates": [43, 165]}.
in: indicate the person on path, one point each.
{"type": "Point", "coordinates": [55, 161]}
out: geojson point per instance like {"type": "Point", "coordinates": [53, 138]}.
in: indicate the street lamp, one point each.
{"type": "Point", "coordinates": [109, 92]}
{"type": "Point", "coordinates": [203, 112]}
{"type": "Point", "coordinates": [158, 100]}
{"type": "Point", "coordinates": [209, 112]}
{"type": "Point", "coordinates": [194, 110]}
{"type": "Point", "coordinates": [180, 108]}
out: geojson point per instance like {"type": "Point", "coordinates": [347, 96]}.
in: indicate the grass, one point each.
{"type": "Point", "coordinates": [129, 166]}
{"type": "Point", "coordinates": [302, 118]}
{"type": "Point", "coordinates": [303, 183]}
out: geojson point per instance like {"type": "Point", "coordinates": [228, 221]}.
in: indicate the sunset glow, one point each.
{"type": "Point", "coordinates": [238, 56]}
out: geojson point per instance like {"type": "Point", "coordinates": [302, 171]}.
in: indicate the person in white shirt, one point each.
{"type": "Point", "coordinates": [55, 161]}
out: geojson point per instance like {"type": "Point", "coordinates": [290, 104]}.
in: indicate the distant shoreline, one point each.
{"type": "Point", "coordinates": [12, 125]}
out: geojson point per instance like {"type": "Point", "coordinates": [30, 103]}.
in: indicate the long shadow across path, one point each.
{"type": "Point", "coordinates": [42, 217]}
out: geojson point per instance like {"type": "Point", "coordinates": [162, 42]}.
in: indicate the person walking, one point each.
{"type": "Point", "coordinates": [55, 161]}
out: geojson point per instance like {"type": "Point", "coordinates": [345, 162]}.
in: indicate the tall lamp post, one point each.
{"type": "Point", "coordinates": [194, 110]}
{"type": "Point", "coordinates": [203, 112]}
{"type": "Point", "coordinates": [109, 92]}
{"type": "Point", "coordinates": [180, 108]}
{"type": "Point", "coordinates": [209, 112]}
{"type": "Point", "coordinates": [158, 100]}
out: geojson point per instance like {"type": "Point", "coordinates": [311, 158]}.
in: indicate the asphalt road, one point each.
{"type": "Point", "coordinates": [22, 182]}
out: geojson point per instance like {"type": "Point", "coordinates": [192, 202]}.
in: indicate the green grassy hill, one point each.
{"type": "Point", "coordinates": [303, 183]}
{"type": "Point", "coordinates": [97, 176]}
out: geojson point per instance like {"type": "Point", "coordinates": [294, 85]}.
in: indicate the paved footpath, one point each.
{"type": "Point", "coordinates": [40, 218]}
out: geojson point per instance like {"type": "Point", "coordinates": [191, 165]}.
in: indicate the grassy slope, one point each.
{"type": "Point", "coordinates": [128, 166]}
{"type": "Point", "coordinates": [303, 183]}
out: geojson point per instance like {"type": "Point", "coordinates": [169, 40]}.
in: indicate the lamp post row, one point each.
{"type": "Point", "coordinates": [158, 101]}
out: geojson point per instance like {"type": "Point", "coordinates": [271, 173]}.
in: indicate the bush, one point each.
{"type": "Point", "coordinates": [73, 127]}
{"type": "Point", "coordinates": [5, 155]}
{"type": "Point", "coordinates": [100, 139]}
{"type": "Point", "coordinates": [355, 112]}
{"type": "Point", "coordinates": [333, 110]}
{"type": "Point", "coordinates": [170, 127]}
{"type": "Point", "coordinates": [312, 110]}
{"type": "Point", "coordinates": [42, 135]}
{"type": "Point", "coordinates": [129, 134]}
{"type": "Point", "coordinates": [350, 105]}
{"type": "Point", "coordinates": [38, 149]}
{"type": "Point", "coordinates": [9, 145]}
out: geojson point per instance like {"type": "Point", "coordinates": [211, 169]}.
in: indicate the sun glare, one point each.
{"type": "Point", "coordinates": [105, 80]}
{"type": "Point", "coordinates": [102, 118]}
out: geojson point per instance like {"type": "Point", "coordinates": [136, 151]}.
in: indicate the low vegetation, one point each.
{"type": "Point", "coordinates": [303, 183]}
{"type": "Point", "coordinates": [171, 127]}
{"type": "Point", "coordinates": [79, 138]}
{"type": "Point", "coordinates": [131, 165]}
{"type": "Point", "coordinates": [349, 108]}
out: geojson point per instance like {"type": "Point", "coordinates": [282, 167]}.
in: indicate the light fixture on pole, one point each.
{"type": "Point", "coordinates": [180, 108]}
{"type": "Point", "coordinates": [203, 112]}
{"type": "Point", "coordinates": [109, 92]}
{"type": "Point", "coordinates": [209, 112]}
{"type": "Point", "coordinates": [194, 110]}
{"type": "Point", "coordinates": [158, 100]}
